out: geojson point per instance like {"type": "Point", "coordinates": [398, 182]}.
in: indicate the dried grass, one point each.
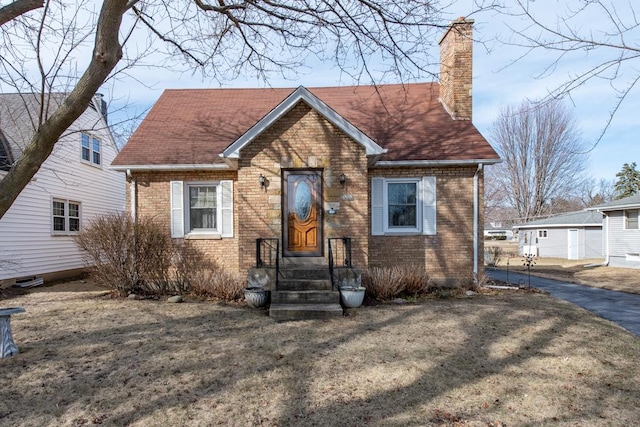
{"type": "Point", "coordinates": [504, 359]}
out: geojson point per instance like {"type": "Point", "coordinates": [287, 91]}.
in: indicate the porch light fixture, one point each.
{"type": "Point", "coordinates": [343, 179]}
{"type": "Point", "coordinates": [262, 180]}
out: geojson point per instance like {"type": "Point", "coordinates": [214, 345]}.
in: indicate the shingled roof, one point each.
{"type": "Point", "coordinates": [194, 126]}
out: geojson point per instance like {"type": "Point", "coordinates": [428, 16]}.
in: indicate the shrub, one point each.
{"type": "Point", "coordinates": [141, 257]}
{"type": "Point", "coordinates": [127, 256]}
{"type": "Point", "coordinates": [385, 283]}
{"type": "Point", "coordinates": [492, 255]}
{"type": "Point", "coordinates": [195, 273]}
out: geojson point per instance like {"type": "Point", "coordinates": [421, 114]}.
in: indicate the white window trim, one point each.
{"type": "Point", "coordinates": [626, 219]}
{"type": "Point", "coordinates": [546, 234]}
{"type": "Point", "coordinates": [202, 232]}
{"type": "Point", "coordinates": [402, 230]}
{"type": "Point", "coordinates": [90, 162]}
{"type": "Point", "coordinates": [179, 196]}
{"type": "Point", "coordinates": [425, 207]}
{"type": "Point", "coordinates": [66, 231]}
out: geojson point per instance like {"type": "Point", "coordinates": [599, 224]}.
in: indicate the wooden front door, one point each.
{"type": "Point", "coordinates": [302, 208]}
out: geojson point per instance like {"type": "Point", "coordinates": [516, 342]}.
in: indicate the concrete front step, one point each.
{"type": "Point", "coordinates": [305, 297]}
{"type": "Point", "coordinates": [305, 273]}
{"type": "Point", "coordinates": [283, 312]}
{"type": "Point", "coordinates": [304, 285]}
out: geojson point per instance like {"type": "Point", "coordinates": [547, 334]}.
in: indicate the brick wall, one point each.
{"type": "Point", "coordinates": [303, 139]}
{"type": "Point", "coordinates": [448, 255]}
{"type": "Point", "coordinates": [154, 200]}
{"type": "Point", "coordinates": [456, 70]}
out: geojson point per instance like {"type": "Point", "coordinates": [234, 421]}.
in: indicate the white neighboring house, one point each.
{"type": "Point", "coordinates": [572, 235]}
{"type": "Point", "coordinates": [73, 186]}
{"type": "Point", "coordinates": [622, 231]}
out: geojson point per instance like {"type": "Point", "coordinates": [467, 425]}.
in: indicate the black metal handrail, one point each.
{"type": "Point", "coordinates": [268, 254]}
{"type": "Point", "coordinates": [339, 254]}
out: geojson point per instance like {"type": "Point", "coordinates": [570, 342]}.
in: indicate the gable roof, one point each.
{"type": "Point", "coordinates": [19, 119]}
{"type": "Point", "coordinates": [569, 219]}
{"type": "Point", "coordinates": [400, 123]}
{"type": "Point", "coordinates": [632, 202]}
{"type": "Point", "coordinates": [302, 94]}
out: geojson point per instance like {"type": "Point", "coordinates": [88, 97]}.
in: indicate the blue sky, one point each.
{"type": "Point", "coordinates": [497, 82]}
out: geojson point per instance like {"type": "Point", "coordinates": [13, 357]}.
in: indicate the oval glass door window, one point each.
{"type": "Point", "coordinates": [303, 200]}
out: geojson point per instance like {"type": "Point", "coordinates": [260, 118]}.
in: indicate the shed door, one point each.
{"type": "Point", "coordinates": [573, 244]}
{"type": "Point", "coordinates": [302, 208]}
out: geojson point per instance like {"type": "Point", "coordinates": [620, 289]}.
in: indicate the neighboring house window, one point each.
{"type": "Point", "coordinates": [635, 257]}
{"type": "Point", "coordinates": [631, 219]}
{"type": "Point", "coordinates": [91, 149]}
{"type": "Point", "coordinates": [65, 216]}
{"type": "Point", "coordinates": [403, 205]}
{"type": "Point", "coordinates": [542, 234]}
{"type": "Point", "coordinates": [201, 209]}
{"type": "Point", "coordinates": [6, 158]}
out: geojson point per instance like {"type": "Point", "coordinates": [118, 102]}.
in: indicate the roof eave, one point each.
{"type": "Point", "coordinates": [596, 224]}
{"type": "Point", "coordinates": [415, 163]}
{"type": "Point", "coordinates": [302, 94]}
{"type": "Point", "coordinates": [177, 167]}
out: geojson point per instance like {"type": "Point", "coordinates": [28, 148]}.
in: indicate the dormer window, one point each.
{"type": "Point", "coordinates": [90, 149]}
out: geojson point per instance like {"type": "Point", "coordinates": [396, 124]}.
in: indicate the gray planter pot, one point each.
{"type": "Point", "coordinates": [256, 296]}
{"type": "Point", "coordinates": [352, 297]}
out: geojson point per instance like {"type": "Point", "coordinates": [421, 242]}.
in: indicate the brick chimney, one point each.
{"type": "Point", "coordinates": [456, 57]}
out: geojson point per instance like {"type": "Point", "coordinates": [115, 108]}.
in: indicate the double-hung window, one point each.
{"type": "Point", "coordinates": [201, 209]}
{"type": "Point", "coordinates": [631, 219]}
{"type": "Point", "coordinates": [542, 234]}
{"type": "Point", "coordinates": [403, 205]}
{"type": "Point", "coordinates": [90, 149]}
{"type": "Point", "coordinates": [65, 216]}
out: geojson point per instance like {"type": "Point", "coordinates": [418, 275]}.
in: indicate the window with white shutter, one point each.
{"type": "Point", "coordinates": [202, 209]}
{"type": "Point", "coordinates": [403, 206]}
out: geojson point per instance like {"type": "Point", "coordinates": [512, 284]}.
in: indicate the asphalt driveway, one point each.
{"type": "Point", "coordinates": [619, 307]}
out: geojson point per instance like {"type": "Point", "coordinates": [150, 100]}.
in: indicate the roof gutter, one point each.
{"type": "Point", "coordinates": [140, 168]}
{"type": "Point", "coordinates": [405, 163]}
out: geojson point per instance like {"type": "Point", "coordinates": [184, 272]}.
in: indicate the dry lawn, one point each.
{"type": "Point", "coordinates": [512, 358]}
{"type": "Point", "coordinates": [583, 272]}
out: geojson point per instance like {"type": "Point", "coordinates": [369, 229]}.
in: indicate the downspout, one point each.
{"type": "Point", "coordinates": [132, 195]}
{"type": "Point", "coordinates": [607, 248]}
{"type": "Point", "coordinates": [476, 218]}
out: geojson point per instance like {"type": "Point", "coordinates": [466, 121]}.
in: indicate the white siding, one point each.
{"type": "Point", "coordinates": [621, 241]}
{"type": "Point", "coordinates": [26, 240]}
{"type": "Point", "coordinates": [556, 244]}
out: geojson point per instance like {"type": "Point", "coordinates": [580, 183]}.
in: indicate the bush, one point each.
{"type": "Point", "coordinates": [386, 283]}
{"type": "Point", "coordinates": [140, 257]}
{"type": "Point", "coordinates": [196, 273]}
{"type": "Point", "coordinates": [127, 256]}
{"type": "Point", "coordinates": [492, 255]}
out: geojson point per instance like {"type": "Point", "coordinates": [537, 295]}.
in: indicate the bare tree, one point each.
{"type": "Point", "coordinates": [541, 152]}
{"type": "Point", "coordinates": [600, 35]}
{"type": "Point", "coordinates": [596, 193]}
{"type": "Point", "coordinates": [46, 44]}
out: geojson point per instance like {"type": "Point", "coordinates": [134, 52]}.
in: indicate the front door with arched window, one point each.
{"type": "Point", "coordinates": [302, 212]}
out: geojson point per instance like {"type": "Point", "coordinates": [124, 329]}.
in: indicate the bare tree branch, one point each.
{"type": "Point", "coordinates": [18, 8]}
{"type": "Point", "coordinates": [611, 34]}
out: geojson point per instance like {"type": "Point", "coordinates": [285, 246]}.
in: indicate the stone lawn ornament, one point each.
{"type": "Point", "coordinates": [7, 346]}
